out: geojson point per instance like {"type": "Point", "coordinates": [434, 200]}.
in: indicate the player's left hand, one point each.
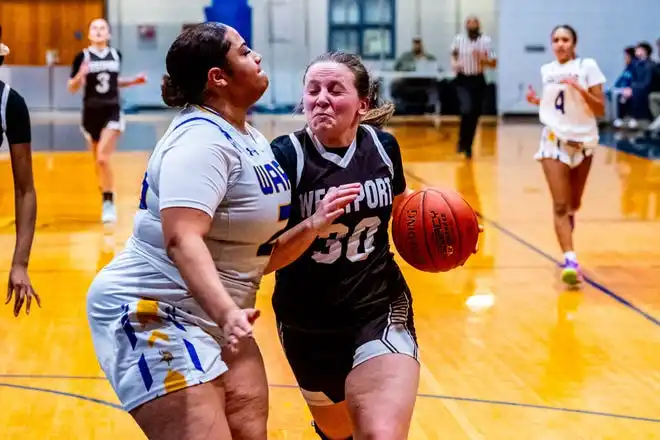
{"type": "Point", "coordinates": [333, 205]}
{"type": "Point", "coordinates": [21, 288]}
{"type": "Point", "coordinates": [140, 78]}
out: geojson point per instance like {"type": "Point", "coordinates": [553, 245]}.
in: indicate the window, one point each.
{"type": "Point", "coordinates": [364, 27]}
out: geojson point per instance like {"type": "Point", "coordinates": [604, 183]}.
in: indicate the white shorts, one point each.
{"type": "Point", "coordinates": [147, 348]}
{"type": "Point", "coordinates": [553, 148]}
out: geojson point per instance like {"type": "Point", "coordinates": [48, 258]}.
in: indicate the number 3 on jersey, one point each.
{"type": "Point", "coordinates": [335, 241]}
{"type": "Point", "coordinates": [103, 80]}
{"type": "Point", "coordinates": [559, 102]}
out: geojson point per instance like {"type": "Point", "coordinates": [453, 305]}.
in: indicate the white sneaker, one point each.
{"type": "Point", "coordinates": [109, 213]}
{"type": "Point", "coordinates": [618, 123]}
{"type": "Point", "coordinates": [632, 124]}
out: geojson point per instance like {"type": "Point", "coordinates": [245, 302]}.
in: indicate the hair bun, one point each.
{"type": "Point", "coordinates": [171, 93]}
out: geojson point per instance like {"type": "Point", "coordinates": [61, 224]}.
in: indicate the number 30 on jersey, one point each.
{"type": "Point", "coordinates": [356, 247]}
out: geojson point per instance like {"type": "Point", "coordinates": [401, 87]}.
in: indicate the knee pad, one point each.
{"type": "Point", "coordinates": [322, 435]}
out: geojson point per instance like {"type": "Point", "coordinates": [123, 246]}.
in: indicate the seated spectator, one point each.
{"type": "Point", "coordinates": [640, 89]}
{"type": "Point", "coordinates": [413, 95]}
{"type": "Point", "coordinates": [408, 61]}
{"type": "Point", "coordinates": [624, 80]}
{"type": "Point", "coordinates": [654, 97]}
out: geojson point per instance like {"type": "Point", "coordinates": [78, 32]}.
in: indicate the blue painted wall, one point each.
{"type": "Point", "coordinates": [235, 13]}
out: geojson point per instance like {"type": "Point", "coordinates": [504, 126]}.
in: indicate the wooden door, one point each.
{"type": "Point", "coordinates": [32, 27]}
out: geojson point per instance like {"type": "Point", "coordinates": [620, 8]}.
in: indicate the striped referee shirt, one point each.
{"type": "Point", "coordinates": [466, 49]}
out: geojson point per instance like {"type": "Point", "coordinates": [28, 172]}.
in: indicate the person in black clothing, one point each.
{"type": "Point", "coordinates": [96, 70]}
{"type": "Point", "coordinates": [343, 308]}
{"type": "Point", "coordinates": [640, 88]}
{"type": "Point", "coordinates": [15, 125]}
{"type": "Point", "coordinates": [471, 54]}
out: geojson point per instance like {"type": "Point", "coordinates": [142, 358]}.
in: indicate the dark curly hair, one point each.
{"type": "Point", "coordinates": [195, 51]}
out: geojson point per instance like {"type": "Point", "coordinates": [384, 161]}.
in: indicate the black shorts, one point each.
{"type": "Point", "coordinates": [321, 361]}
{"type": "Point", "coordinates": [95, 119]}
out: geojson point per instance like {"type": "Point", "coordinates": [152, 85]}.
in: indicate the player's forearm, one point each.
{"type": "Point", "coordinates": [194, 261]}
{"type": "Point", "coordinates": [127, 82]}
{"type": "Point", "coordinates": [25, 206]}
{"type": "Point", "coordinates": [291, 245]}
{"type": "Point", "coordinates": [595, 101]}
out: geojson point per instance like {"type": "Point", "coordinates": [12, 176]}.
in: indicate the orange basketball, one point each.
{"type": "Point", "coordinates": [435, 230]}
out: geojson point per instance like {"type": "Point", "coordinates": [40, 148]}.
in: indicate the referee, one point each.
{"type": "Point", "coordinates": [15, 125]}
{"type": "Point", "coordinates": [471, 53]}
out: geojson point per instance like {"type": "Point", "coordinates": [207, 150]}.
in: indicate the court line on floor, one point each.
{"type": "Point", "coordinates": [62, 393]}
{"type": "Point", "coordinates": [285, 386]}
{"type": "Point", "coordinates": [589, 280]}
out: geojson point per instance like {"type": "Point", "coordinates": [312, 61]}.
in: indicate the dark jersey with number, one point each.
{"type": "Point", "coordinates": [349, 275]}
{"type": "Point", "coordinates": [101, 87]}
{"type": "Point", "coordinates": [14, 117]}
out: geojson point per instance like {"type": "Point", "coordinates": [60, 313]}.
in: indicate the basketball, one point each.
{"type": "Point", "coordinates": [435, 230]}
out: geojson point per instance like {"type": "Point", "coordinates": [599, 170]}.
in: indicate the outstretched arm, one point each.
{"type": "Point", "coordinates": [25, 201]}
{"type": "Point", "coordinates": [132, 81]}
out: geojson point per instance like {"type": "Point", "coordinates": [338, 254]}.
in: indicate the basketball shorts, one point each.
{"type": "Point", "coordinates": [553, 148]}
{"type": "Point", "coordinates": [321, 362]}
{"type": "Point", "coordinates": [95, 119]}
{"type": "Point", "coordinates": [146, 347]}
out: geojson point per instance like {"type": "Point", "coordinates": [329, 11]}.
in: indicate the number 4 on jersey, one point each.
{"type": "Point", "coordinates": [559, 102]}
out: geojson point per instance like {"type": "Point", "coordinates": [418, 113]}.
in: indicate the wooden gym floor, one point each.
{"type": "Point", "coordinates": [506, 352]}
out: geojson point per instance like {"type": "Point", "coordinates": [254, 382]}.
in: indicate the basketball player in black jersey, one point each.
{"type": "Point", "coordinates": [343, 308]}
{"type": "Point", "coordinates": [96, 70]}
{"type": "Point", "coordinates": [15, 126]}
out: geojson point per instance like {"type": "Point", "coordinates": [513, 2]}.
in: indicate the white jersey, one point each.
{"type": "Point", "coordinates": [202, 162]}
{"type": "Point", "coordinates": [562, 109]}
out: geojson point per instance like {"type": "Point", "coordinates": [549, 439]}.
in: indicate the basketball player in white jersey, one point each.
{"type": "Point", "coordinates": [97, 68]}
{"type": "Point", "coordinates": [171, 316]}
{"type": "Point", "coordinates": [571, 100]}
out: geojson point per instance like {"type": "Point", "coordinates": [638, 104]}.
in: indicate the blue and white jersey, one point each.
{"type": "Point", "coordinates": [203, 162]}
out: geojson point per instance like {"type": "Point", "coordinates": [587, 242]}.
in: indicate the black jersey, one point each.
{"type": "Point", "coordinates": [14, 117]}
{"type": "Point", "coordinates": [349, 275]}
{"type": "Point", "coordinates": [102, 81]}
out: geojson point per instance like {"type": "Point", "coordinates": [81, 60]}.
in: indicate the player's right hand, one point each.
{"type": "Point", "coordinates": [532, 97]}
{"type": "Point", "coordinates": [333, 205]}
{"type": "Point", "coordinates": [20, 287]}
{"type": "Point", "coordinates": [238, 325]}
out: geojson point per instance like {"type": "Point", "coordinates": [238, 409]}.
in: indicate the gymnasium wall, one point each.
{"type": "Point", "coordinates": [604, 28]}
{"type": "Point", "coordinates": [288, 33]}
{"type": "Point", "coordinates": [291, 42]}
{"type": "Point", "coordinates": [145, 55]}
